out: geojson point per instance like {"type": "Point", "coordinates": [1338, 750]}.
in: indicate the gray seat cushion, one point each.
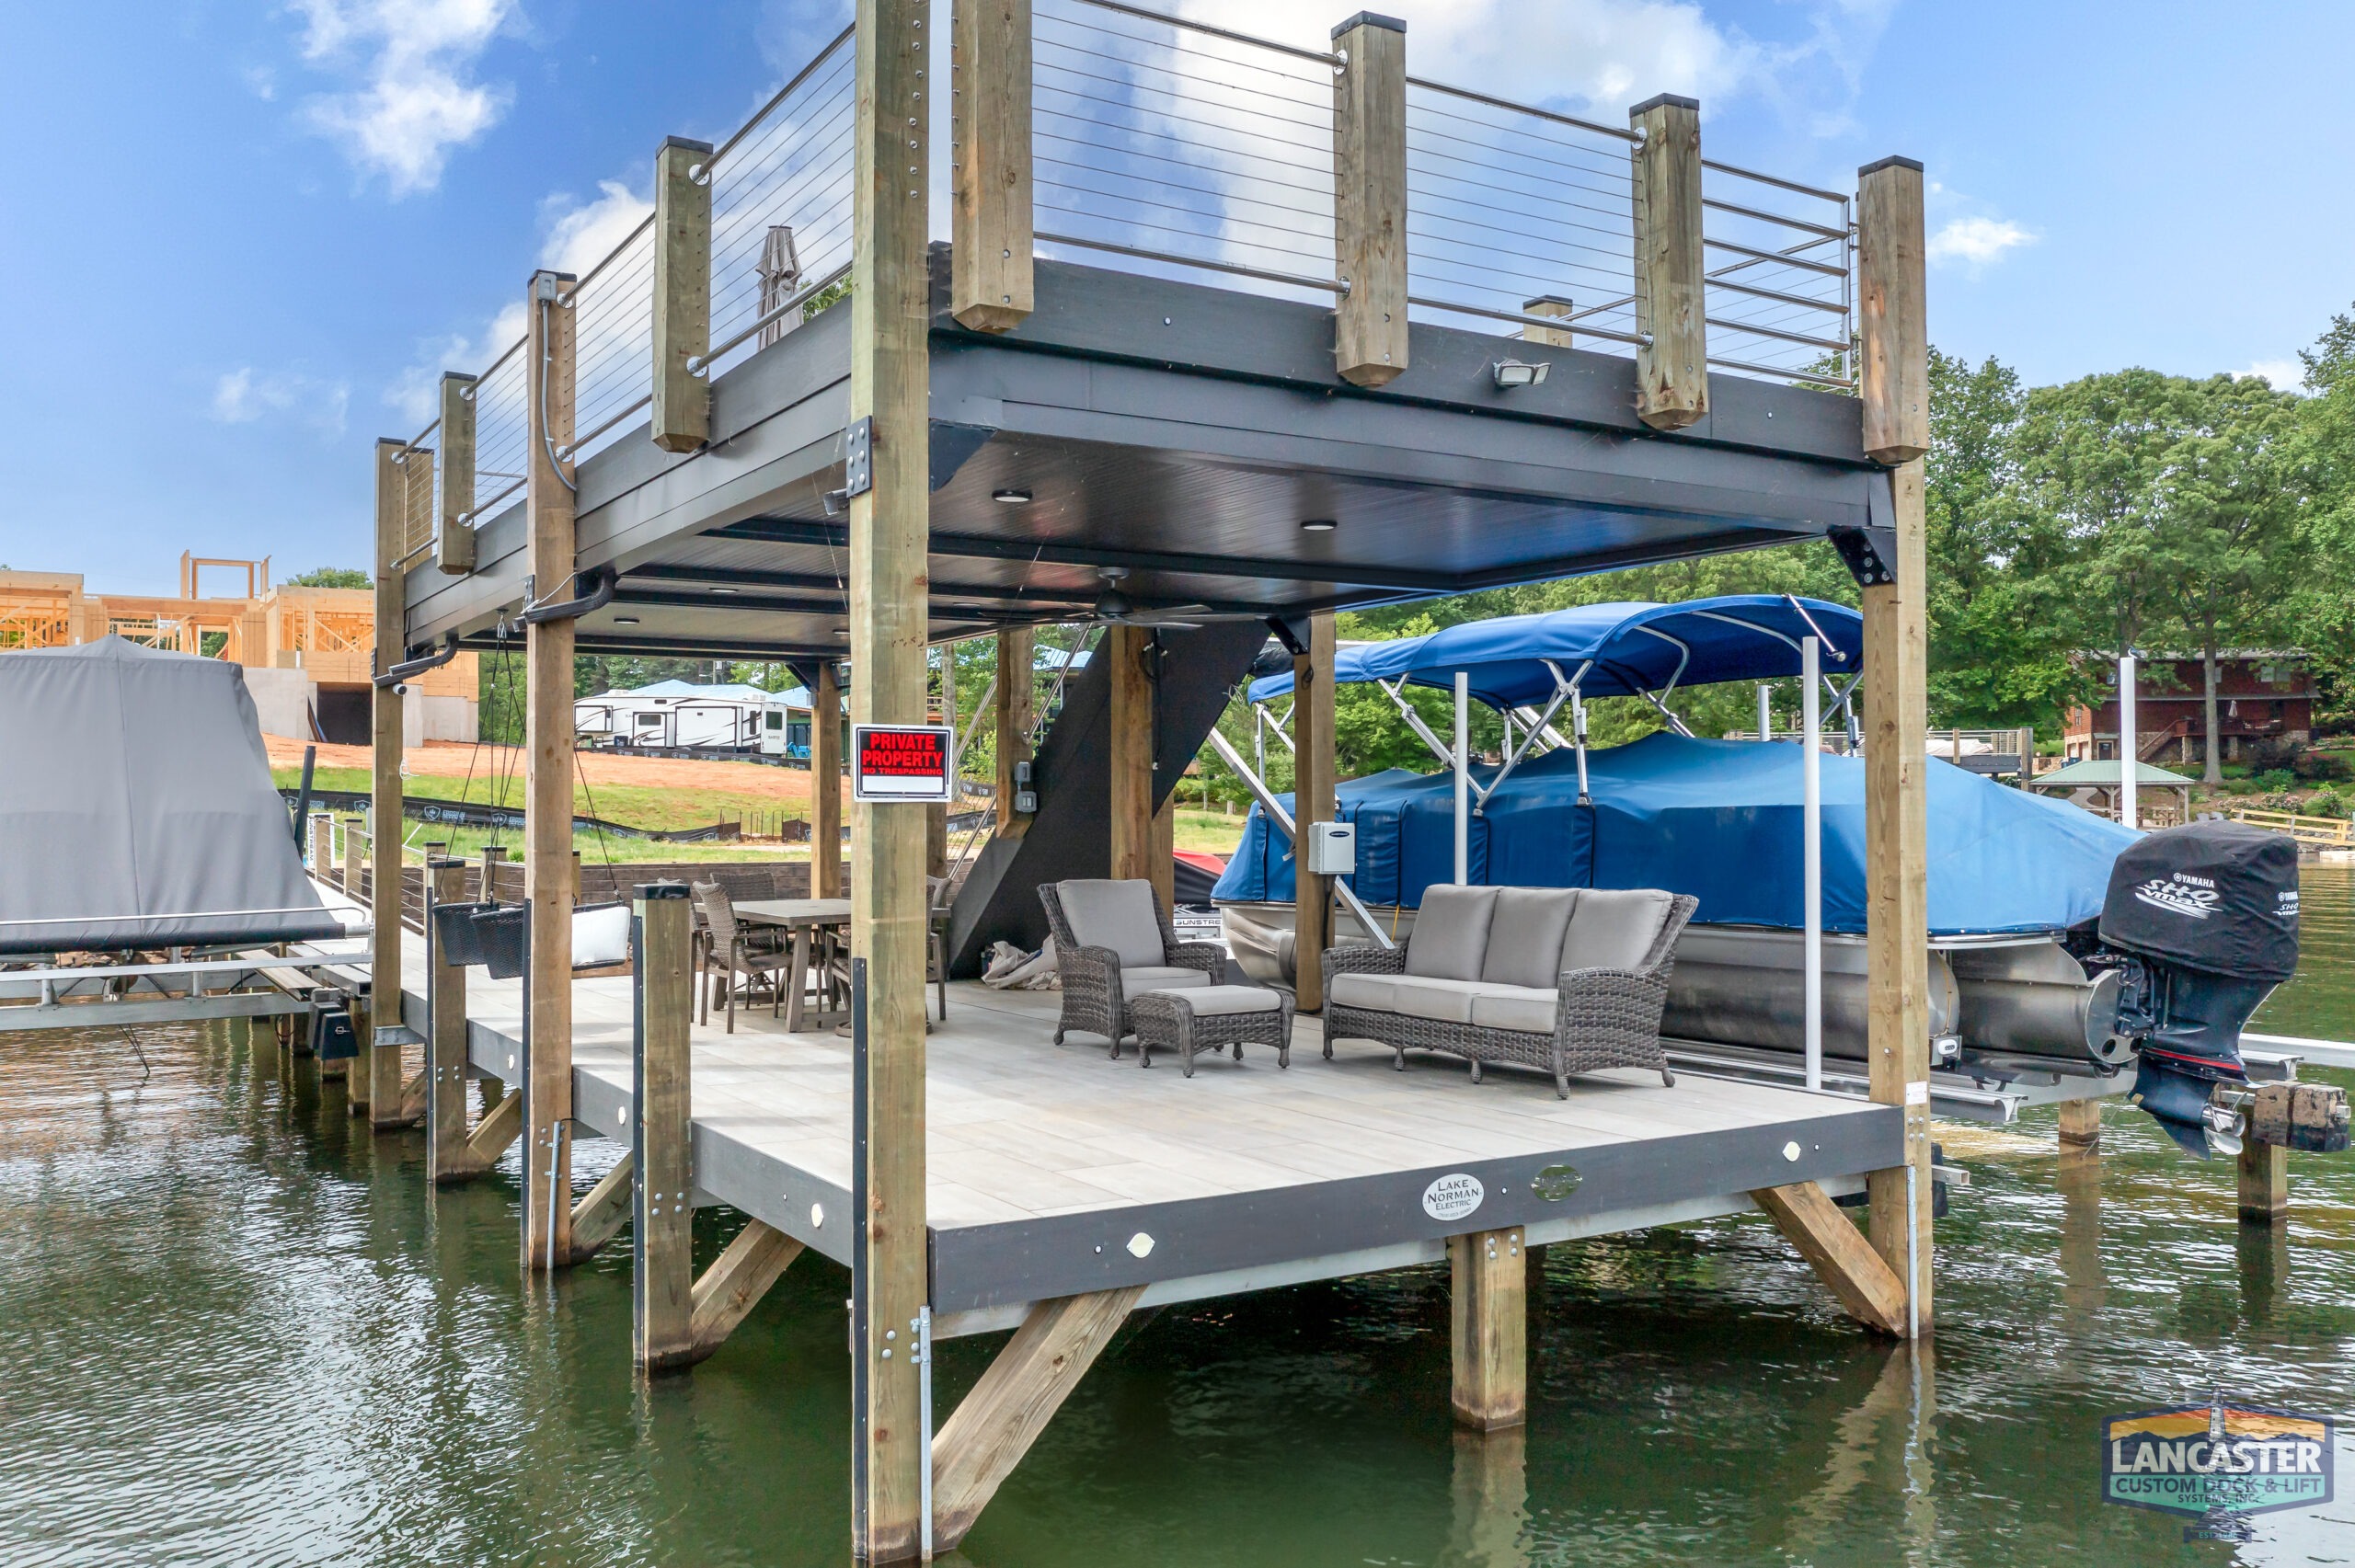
{"type": "Point", "coordinates": [1206, 1001]}
{"type": "Point", "coordinates": [1613, 928]}
{"type": "Point", "coordinates": [1445, 1001]}
{"type": "Point", "coordinates": [1529, 1009]}
{"type": "Point", "coordinates": [1138, 980]}
{"type": "Point", "coordinates": [1369, 991]}
{"type": "Point", "coordinates": [1525, 936]}
{"type": "Point", "coordinates": [1118, 915]}
{"type": "Point", "coordinates": [1451, 934]}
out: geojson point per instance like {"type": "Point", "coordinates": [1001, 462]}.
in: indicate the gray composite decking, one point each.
{"type": "Point", "coordinates": [1048, 1163]}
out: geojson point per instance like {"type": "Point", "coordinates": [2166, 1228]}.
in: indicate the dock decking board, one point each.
{"type": "Point", "coordinates": [1047, 1160]}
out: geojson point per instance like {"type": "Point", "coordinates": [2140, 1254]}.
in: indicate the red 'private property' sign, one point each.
{"type": "Point", "coordinates": [892, 762]}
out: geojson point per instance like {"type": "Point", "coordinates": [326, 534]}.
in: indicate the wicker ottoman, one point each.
{"type": "Point", "coordinates": [1206, 1017]}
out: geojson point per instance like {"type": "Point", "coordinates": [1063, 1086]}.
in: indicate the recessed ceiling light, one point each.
{"type": "Point", "coordinates": [626, 620]}
{"type": "Point", "coordinates": [724, 590]}
{"type": "Point", "coordinates": [1318, 525]}
{"type": "Point", "coordinates": [842, 632]}
{"type": "Point", "coordinates": [1010, 496]}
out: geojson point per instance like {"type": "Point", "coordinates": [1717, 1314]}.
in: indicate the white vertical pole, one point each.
{"type": "Point", "coordinates": [1812, 816]}
{"type": "Point", "coordinates": [2129, 764]}
{"type": "Point", "coordinates": [1765, 712]}
{"type": "Point", "coordinates": [1578, 733]}
{"type": "Point", "coordinates": [1463, 776]}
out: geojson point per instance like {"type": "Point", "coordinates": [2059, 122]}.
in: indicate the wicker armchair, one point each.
{"type": "Point", "coordinates": [1601, 1017]}
{"type": "Point", "coordinates": [1093, 951]}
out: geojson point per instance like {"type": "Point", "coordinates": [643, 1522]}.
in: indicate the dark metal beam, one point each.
{"type": "Point", "coordinates": [745, 577]}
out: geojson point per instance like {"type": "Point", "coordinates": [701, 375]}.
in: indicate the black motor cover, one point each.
{"type": "Point", "coordinates": [2217, 896]}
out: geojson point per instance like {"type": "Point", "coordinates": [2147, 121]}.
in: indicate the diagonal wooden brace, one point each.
{"type": "Point", "coordinates": [599, 1217]}
{"type": "Point", "coordinates": [1839, 1254]}
{"type": "Point", "coordinates": [736, 1280]}
{"type": "Point", "coordinates": [500, 1126]}
{"type": "Point", "coordinates": [994, 1426]}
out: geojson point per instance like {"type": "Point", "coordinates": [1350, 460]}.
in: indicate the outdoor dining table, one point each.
{"type": "Point", "coordinates": [806, 919]}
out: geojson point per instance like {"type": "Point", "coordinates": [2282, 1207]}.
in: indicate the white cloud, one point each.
{"type": "Point", "coordinates": [416, 100]}
{"type": "Point", "coordinates": [1976, 242]}
{"type": "Point", "coordinates": [2281, 375]}
{"type": "Point", "coordinates": [581, 234]}
{"type": "Point", "coordinates": [246, 395]}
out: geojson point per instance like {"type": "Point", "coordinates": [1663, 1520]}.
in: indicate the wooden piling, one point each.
{"type": "Point", "coordinates": [384, 1056]}
{"type": "Point", "coordinates": [2081, 1123]}
{"type": "Point", "coordinates": [1369, 198]}
{"type": "Point", "coordinates": [989, 272]}
{"type": "Point", "coordinates": [453, 531]}
{"type": "Point", "coordinates": [1017, 696]}
{"type": "Point", "coordinates": [890, 377]}
{"type": "Point", "coordinates": [1313, 801]}
{"type": "Point", "coordinates": [445, 1038]}
{"type": "Point", "coordinates": [1129, 752]}
{"type": "Point", "coordinates": [548, 882]}
{"type": "Point", "coordinates": [1896, 659]}
{"type": "Point", "coordinates": [1673, 367]}
{"type": "Point", "coordinates": [662, 1133]}
{"type": "Point", "coordinates": [2264, 1171]}
{"type": "Point", "coordinates": [1488, 1324]}
{"type": "Point", "coordinates": [680, 420]}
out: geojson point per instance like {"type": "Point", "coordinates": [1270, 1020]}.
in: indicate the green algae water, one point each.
{"type": "Point", "coordinates": [235, 1329]}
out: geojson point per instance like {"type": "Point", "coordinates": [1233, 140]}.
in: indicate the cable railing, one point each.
{"type": "Point", "coordinates": [1519, 215]}
{"type": "Point", "coordinates": [781, 202]}
{"type": "Point", "coordinates": [1179, 149]}
{"type": "Point", "coordinates": [1162, 140]}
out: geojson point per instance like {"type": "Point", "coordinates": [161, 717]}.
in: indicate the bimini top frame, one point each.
{"type": "Point", "coordinates": [1514, 663]}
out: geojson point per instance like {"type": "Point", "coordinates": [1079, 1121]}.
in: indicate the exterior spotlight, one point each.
{"type": "Point", "coordinates": [626, 620]}
{"type": "Point", "coordinates": [1318, 525]}
{"type": "Point", "coordinates": [1010, 496]}
{"type": "Point", "coordinates": [1510, 373]}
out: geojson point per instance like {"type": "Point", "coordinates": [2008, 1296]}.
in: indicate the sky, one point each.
{"type": "Point", "coordinates": [239, 241]}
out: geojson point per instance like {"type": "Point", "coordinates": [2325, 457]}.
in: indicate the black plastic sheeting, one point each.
{"type": "Point", "coordinates": [2218, 896]}
{"type": "Point", "coordinates": [136, 808]}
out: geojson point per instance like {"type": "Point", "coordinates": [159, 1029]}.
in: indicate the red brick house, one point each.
{"type": "Point", "coordinates": [2261, 694]}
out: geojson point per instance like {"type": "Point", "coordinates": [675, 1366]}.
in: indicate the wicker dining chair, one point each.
{"type": "Point", "coordinates": [729, 955]}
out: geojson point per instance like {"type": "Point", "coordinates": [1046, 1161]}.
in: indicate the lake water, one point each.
{"type": "Point", "coordinates": [233, 1330]}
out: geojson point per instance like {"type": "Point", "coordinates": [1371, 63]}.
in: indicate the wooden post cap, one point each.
{"type": "Point", "coordinates": [1371, 19]}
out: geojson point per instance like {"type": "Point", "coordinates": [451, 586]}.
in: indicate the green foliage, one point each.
{"type": "Point", "coordinates": [330, 577]}
{"type": "Point", "coordinates": [2275, 780]}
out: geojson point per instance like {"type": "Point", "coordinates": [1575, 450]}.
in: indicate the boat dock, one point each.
{"type": "Point", "coordinates": [1054, 1171]}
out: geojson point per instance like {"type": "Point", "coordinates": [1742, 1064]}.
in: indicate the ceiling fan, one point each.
{"type": "Point", "coordinates": [1117, 608]}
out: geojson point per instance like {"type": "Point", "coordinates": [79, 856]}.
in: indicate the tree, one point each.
{"type": "Point", "coordinates": [2228, 507]}
{"type": "Point", "coordinates": [331, 577]}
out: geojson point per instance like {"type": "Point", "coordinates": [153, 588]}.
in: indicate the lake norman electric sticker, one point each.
{"type": "Point", "coordinates": [900, 761]}
{"type": "Point", "coordinates": [2216, 1462]}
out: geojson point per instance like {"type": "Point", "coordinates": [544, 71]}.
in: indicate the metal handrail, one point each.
{"type": "Point", "coordinates": [1549, 322]}
{"type": "Point", "coordinates": [704, 361]}
{"type": "Point", "coordinates": [1331, 285]}
{"type": "Point", "coordinates": [1532, 111]}
{"type": "Point", "coordinates": [1766, 217]}
{"type": "Point", "coordinates": [778, 96]}
{"type": "Point", "coordinates": [1791, 185]}
{"type": "Point", "coordinates": [1189, 25]}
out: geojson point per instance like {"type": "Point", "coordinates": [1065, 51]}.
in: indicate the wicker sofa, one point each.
{"type": "Point", "coordinates": [1113, 942]}
{"type": "Point", "coordinates": [1567, 980]}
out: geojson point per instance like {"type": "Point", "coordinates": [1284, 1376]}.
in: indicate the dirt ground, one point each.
{"type": "Point", "coordinates": [450, 759]}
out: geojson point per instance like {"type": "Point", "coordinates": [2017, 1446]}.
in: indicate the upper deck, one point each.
{"type": "Point", "coordinates": [1171, 405]}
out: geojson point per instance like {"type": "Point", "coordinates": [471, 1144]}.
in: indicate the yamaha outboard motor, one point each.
{"type": "Point", "coordinates": [2202, 921]}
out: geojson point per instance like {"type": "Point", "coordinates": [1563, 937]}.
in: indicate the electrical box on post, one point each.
{"type": "Point", "coordinates": [1026, 792]}
{"type": "Point", "coordinates": [1332, 849]}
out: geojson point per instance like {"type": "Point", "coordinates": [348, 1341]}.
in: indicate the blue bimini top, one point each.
{"type": "Point", "coordinates": [1715, 818]}
{"type": "Point", "coordinates": [1633, 646]}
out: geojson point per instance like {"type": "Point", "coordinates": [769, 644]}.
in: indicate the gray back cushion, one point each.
{"type": "Point", "coordinates": [1613, 928]}
{"type": "Point", "coordinates": [1525, 935]}
{"type": "Point", "coordinates": [1451, 934]}
{"type": "Point", "coordinates": [1118, 915]}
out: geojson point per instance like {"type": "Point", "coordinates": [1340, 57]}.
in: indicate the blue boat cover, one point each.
{"type": "Point", "coordinates": [1634, 647]}
{"type": "Point", "coordinates": [1720, 819]}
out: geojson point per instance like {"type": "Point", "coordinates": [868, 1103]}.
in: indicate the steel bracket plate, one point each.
{"type": "Point", "coordinates": [858, 458]}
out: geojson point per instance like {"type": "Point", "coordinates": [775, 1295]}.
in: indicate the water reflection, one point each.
{"type": "Point", "coordinates": [237, 1327]}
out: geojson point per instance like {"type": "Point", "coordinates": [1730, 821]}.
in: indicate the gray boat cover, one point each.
{"type": "Point", "coordinates": [136, 807]}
